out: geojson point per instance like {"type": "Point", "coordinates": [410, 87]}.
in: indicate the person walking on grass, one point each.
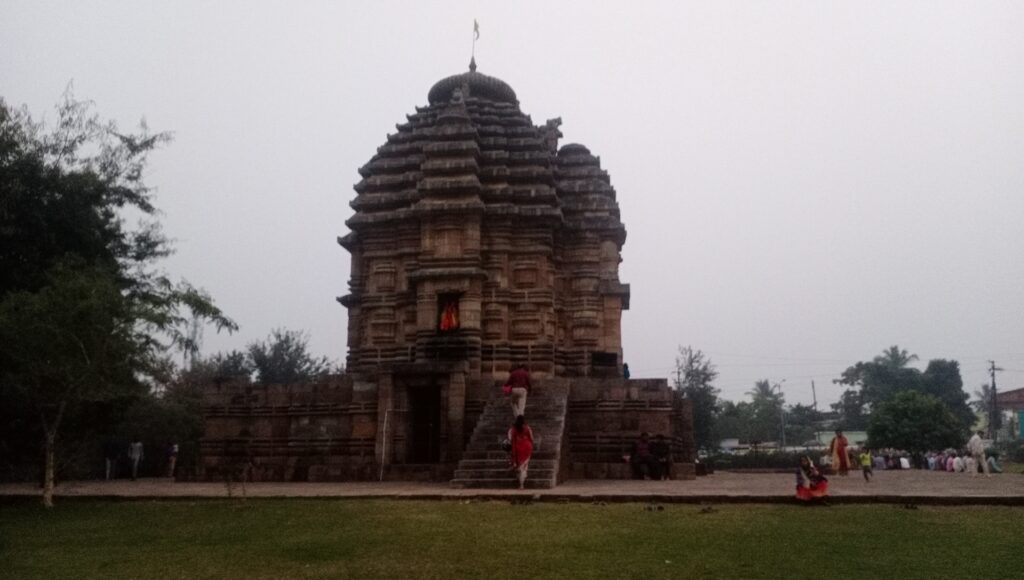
{"type": "Point", "coordinates": [977, 449]}
{"type": "Point", "coordinates": [865, 465]}
{"type": "Point", "coordinates": [521, 438]}
{"type": "Point", "coordinates": [519, 382]}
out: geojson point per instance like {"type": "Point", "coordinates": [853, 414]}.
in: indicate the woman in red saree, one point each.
{"type": "Point", "coordinates": [840, 457]}
{"type": "Point", "coordinates": [521, 437]}
{"type": "Point", "coordinates": [811, 485]}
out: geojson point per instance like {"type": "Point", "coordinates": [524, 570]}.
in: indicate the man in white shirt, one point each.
{"type": "Point", "coordinates": [977, 449]}
{"type": "Point", "coordinates": [135, 456]}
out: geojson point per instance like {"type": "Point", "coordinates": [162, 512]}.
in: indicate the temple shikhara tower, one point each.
{"type": "Point", "coordinates": [477, 243]}
{"type": "Point", "coordinates": [476, 239]}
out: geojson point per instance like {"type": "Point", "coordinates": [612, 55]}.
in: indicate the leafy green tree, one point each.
{"type": "Point", "coordinates": [895, 358]}
{"type": "Point", "coordinates": [850, 408]}
{"type": "Point", "coordinates": [63, 191]}
{"type": "Point", "coordinates": [982, 402]}
{"type": "Point", "coordinates": [695, 375]}
{"type": "Point", "coordinates": [873, 383]}
{"type": "Point", "coordinates": [158, 421]}
{"type": "Point", "coordinates": [915, 422]}
{"type": "Point", "coordinates": [878, 381]}
{"type": "Point", "coordinates": [734, 420]}
{"type": "Point", "coordinates": [85, 318]}
{"type": "Point", "coordinates": [285, 358]}
{"type": "Point", "coordinates": [223, 367]}
{"type": "Point", "coordinates": [69, 343]}
{"type": "Point", "coordinates": [942, 380]}
{"type": "Point", "coordinates": [801, 424]}
{"type": "Point", "coordinates": [767, 403]}
{"type": "Point", "coordinates": [763, 394]}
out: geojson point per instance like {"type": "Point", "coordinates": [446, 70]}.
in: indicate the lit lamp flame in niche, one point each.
{"type": "Point", "coordinates": [449, 315]}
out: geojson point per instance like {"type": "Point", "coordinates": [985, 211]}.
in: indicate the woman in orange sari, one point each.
{"type": "Point", "coordinates": [811, 485]}
{"type": "Point", "coordinates": [840, 457]}
{"type": "Point", "coordinates": [521, 437]}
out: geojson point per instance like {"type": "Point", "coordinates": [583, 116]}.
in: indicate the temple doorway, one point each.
{"type": "Point", "coordinates": [424, 441]}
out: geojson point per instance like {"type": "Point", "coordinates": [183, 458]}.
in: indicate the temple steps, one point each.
{"type": "Point", "coordinates": [475, 464]}
{"type": "Point", "coordinates": [485, 465]}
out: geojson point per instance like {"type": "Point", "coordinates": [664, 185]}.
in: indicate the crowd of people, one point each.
{"type": "Point", "coordinates": [972, 459]}
{"type": "Point", "coordinates": [650, 459]}
{"type": "Point", "coordinates": [841, 458]}
{"type": "Point", "coordinates": [126, 458]}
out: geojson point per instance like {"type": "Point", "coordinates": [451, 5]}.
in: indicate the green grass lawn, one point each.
{"type": "Point", "coordinates": [304, 538]}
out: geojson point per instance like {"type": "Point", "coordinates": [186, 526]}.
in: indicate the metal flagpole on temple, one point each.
{"type": "Point", "coordinates": [476, 35]}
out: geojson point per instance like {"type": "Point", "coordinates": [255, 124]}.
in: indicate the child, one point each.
{"type": "Point", "coordinates": [865, 465]}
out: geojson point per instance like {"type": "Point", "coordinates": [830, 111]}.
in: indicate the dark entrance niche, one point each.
{"type": "Point", "coordinates": [423, 444]}
{"type": "Point", "coordinates": [604, 359]}
{"type": "Point", "coordinates": [448, 317]}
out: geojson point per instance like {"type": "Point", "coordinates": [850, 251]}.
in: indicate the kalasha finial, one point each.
{"type": "Point", "coordinates": [472, 64]}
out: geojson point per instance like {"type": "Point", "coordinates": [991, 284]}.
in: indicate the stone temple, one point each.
{"type": "Point", "coordinates": [477, 243]}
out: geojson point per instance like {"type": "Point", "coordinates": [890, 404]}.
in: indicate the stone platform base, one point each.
{"type": "Point", "coordinates": [622, 470]}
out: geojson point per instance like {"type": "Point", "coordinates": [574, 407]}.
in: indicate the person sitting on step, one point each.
{"type": "Point", "coordinates": [662, 453]}
{"type": "Point", "coordinates": [641, 459]}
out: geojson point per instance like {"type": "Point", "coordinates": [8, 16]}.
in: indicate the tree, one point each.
{"type": "Point", "coordinates": [284, 358]}
{"type": "Point", "coordinates": [84, 316]}
{"type": "Point", "coordinates": [876, 382]}
{"type": "Point", "coordinates": [232, 366]}
{"type": "Point", "coordinates": [695, 373]}
{"type": "Point", "coordinates": [942, 380]}
{"type": "Point", "coordinates": [915, 422]}
{"type": "Point", "coordinates": [767, 408]}
{"type": "Point", "coordinates": [68, 343]}
{"type": "Point", "coordinates": [850, 408]}
{"type": "Point", "coordinates": [982, 402]}
{"type": "Point", "coordinates": [895, 358]}
{"type": "Point", "coordinates": [734, 420]}
{"type": "Point", "coordinates": [63, 192]}
{"type": "Point", "coordinates": [763, 394]}
{"type": "Point", "coordinates": [801, 424]}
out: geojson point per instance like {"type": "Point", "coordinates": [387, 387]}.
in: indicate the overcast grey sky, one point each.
{"type": "Point", "coordinates": [803, 183]}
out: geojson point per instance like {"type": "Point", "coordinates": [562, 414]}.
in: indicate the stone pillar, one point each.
{"type": "Point", "coordinates": [456, 414]}
{"type": "Point", "coordinates": [385, 418]}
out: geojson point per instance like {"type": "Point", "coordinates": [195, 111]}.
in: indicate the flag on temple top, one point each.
{"type": "Point", "coordinates": [476, 29]}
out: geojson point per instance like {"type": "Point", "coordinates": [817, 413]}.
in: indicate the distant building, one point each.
{"type": "Point", "coordinates": [1013, 400]}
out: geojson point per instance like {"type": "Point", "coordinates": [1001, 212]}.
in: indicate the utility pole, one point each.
{"type": "Point", "coordinates": [814, 394]}
{"type": "Point", "coordinates": [782, 413]}
{"type": "Point", "coordinates": [993, 416]}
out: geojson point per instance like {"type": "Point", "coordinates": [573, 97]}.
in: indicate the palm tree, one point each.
{"type": "Point", "coordinates": [766, 403]}
{"type": "Point", "coordinates": [764, 393]}
{"type": "Point", "coordinates": [895, 358]}
{"type": "Point", "coordinates": [982, 402]}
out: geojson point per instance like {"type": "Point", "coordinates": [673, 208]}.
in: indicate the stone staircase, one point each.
{"type": "Point", "coordinates": [485, 465]}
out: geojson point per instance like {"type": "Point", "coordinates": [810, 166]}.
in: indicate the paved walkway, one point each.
{"type": "Point", "coordinates": [888, 486]}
